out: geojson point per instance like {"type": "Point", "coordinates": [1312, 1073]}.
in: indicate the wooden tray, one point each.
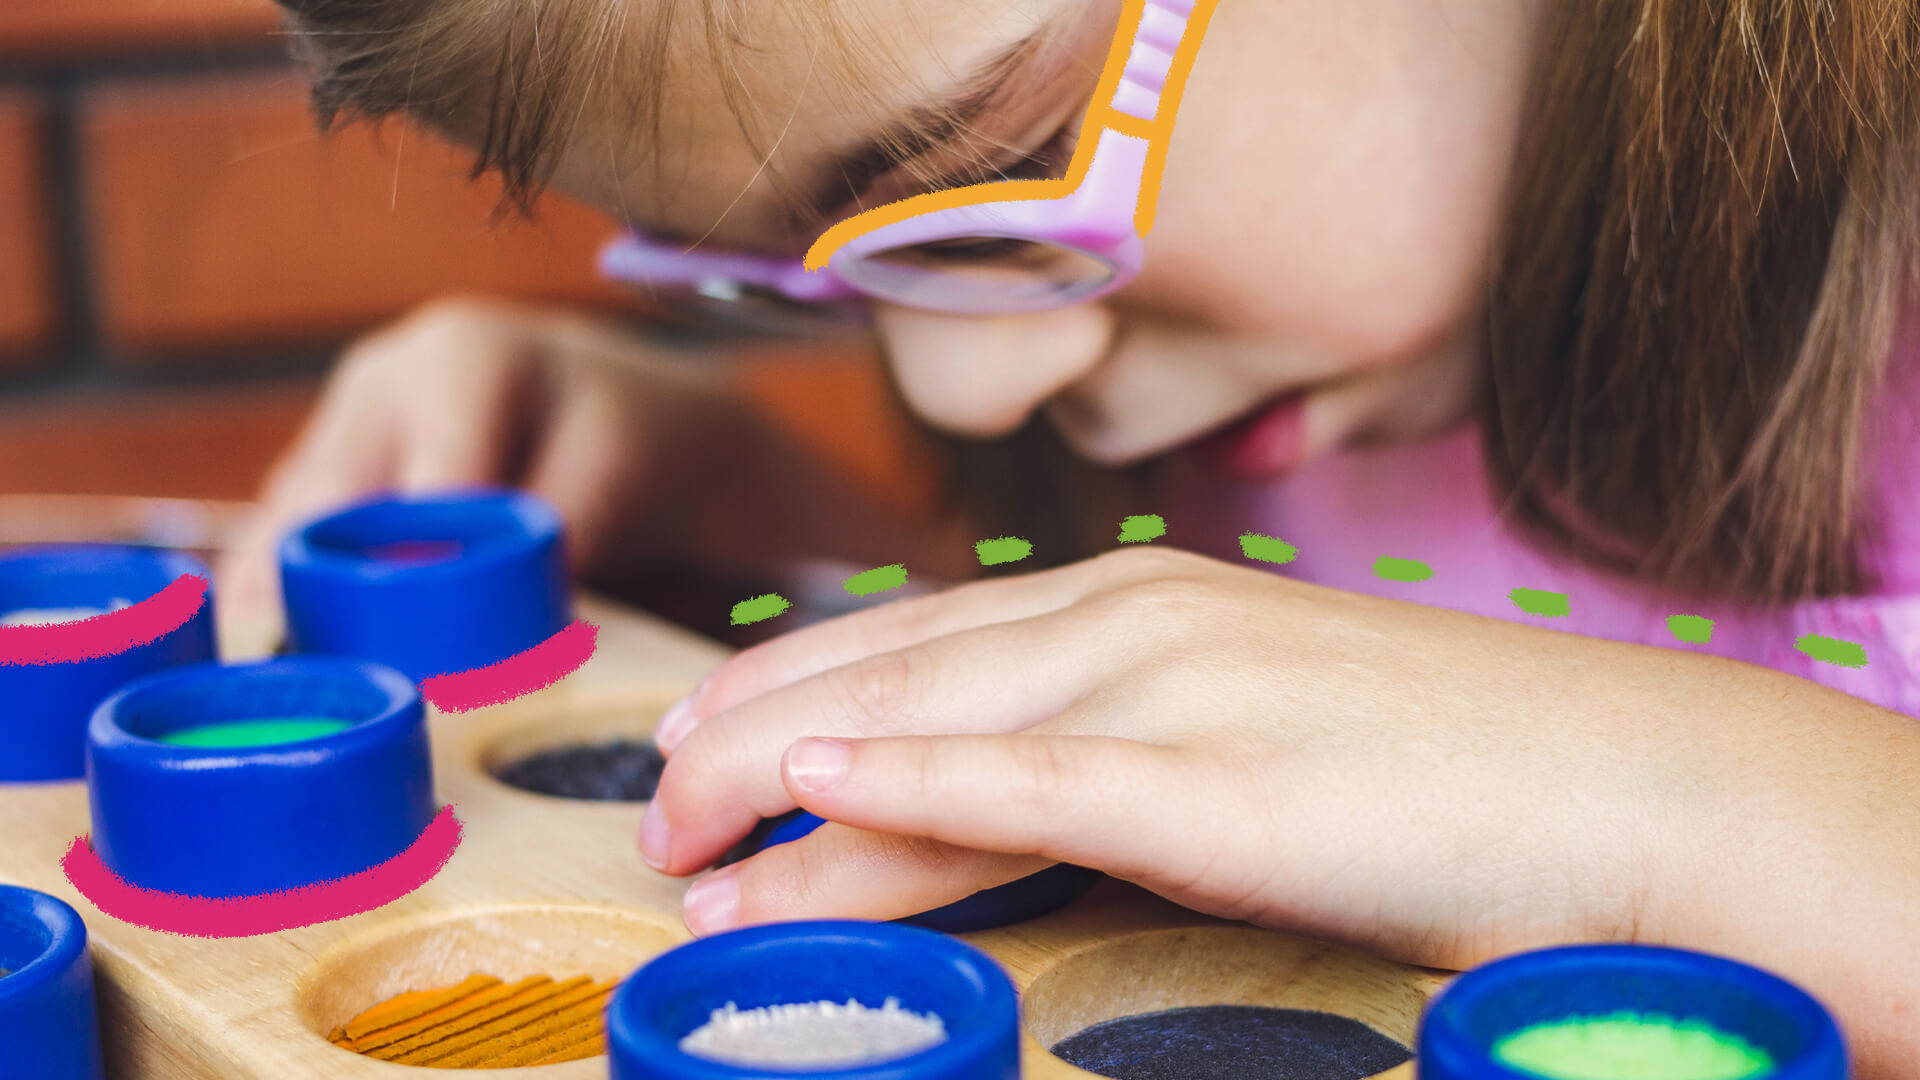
{"type": "Point", "coordinates": [556, 887]}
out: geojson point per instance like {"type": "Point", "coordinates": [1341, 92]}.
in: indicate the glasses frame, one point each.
{"type": "Point", "coordinates": [1102, 208]}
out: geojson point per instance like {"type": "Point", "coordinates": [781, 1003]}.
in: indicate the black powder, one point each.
{"type": "Point", "coordinates": [1233, 1042]}
{"type": "Point", "coordinates": [621, 771]}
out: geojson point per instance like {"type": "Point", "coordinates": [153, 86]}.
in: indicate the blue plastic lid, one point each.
{"type": "Point", "coordinates": [805, 962]}
{"type": "Point", "coordinates": [49, 1029]}
{"type": "Point", "coordinates": [1483, 1006]}
{"type": "Point", "coordinates": [228, 822]}
{"type": "Point", "coordinates": [1003, 905]}
{"type": "Point", "coordinates": [43, 723]}
{"type": "Point", "coordinates": [427, 584]}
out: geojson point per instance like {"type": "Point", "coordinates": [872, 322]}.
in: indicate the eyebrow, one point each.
{"type": "Point", "coordinates": [920, 129]}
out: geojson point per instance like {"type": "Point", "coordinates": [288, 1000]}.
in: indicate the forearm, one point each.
{"type": "Point", "coordinates": [1802, 853]}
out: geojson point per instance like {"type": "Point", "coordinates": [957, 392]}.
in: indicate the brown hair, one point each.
{"type": "Point", "coordinates": [1713, 224]}
{"type": "Point", "coordinates": [518, 71]}
{"type": "Point", "coordinates": [1714, 215]}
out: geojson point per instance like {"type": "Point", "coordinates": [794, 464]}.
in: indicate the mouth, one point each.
{"type": "Point", "coordinates": [1263, 446]}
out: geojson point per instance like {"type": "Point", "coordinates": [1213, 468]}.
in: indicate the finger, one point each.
{"type": "Point", "coordinates": [904, 624]}
{"type": "Point", "coordinates": [345, 452]}
{"type": "Point", "coordinates": [462, 436]}
{"type": "Point", "coordinates": [1111, 804]}
{"type": "Point", "coordinates": [579, 468]}
{"type": "Point", "coordinates": [841, 873]}
{"type": "Point", "coordinates": [725, 777]}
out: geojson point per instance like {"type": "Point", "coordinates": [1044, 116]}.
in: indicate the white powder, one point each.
{"type": "Point", "coordinates": [49, 616]}
{"type": "Point", "coordinates": [818, 1033]}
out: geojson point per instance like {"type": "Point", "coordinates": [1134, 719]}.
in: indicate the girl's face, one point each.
{"type": "Point", "coordinates": [1324, 230]}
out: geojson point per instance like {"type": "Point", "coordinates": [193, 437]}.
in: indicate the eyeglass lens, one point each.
{"type": "Point", "coordinates": [979, 275]}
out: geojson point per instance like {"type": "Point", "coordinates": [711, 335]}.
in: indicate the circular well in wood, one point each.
{"type": "Point", "coordinates": [631, 719]}
{"type": "Point", "coordinates": [1174, 969]}
{"type": "Point", "coordinates": [510, 942]}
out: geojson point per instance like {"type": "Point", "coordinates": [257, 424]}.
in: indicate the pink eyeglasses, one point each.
{"type": "Point", "coordinates": [1046, 243]}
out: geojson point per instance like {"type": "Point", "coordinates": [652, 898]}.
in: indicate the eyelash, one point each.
{"type": "Point", "coordinates": [1041, 164]}
{"type": "Point", "coordinates": [1050, 158]}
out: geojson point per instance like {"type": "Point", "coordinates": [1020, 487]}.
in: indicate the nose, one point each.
{"type": "Point", "coordinates": [982, 375]}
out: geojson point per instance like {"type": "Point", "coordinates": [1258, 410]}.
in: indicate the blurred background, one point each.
{"type": "Point", "coordinates": [182, 256]}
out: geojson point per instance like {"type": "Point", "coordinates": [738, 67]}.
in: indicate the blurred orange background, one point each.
{"type": "Point", "coordinates": [182, 254]}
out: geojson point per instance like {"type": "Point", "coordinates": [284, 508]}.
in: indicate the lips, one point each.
{"type": "Point", "coordinates": [1262, 447]}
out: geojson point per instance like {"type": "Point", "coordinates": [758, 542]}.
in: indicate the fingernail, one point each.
{"type": "Point", "coordinates": [817, 764]}
{"type": "Point", "coordinates": [674, 725]}
{"type": "Point", "coordinates": [712, 905]}
{"type": "Point", "coordinates": [656, 843]}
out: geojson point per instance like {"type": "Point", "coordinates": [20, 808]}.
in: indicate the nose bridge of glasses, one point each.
{"type": "Point", "coordinates": [1163, 23]}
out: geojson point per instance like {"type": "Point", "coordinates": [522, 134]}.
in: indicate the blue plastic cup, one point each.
{"type": "Point", "coordinates": [44, 707]}
{"type": "Point", "coordinates": [428, 584]}
{"type": "Point", "coordinates": [806, 962]}
{"type": "Point", "coordinates": [231, 822]}
{"type": "Point", "coordinates": [49, 1029]}
{"type": "Point", "coordinates": [1476, 1011]}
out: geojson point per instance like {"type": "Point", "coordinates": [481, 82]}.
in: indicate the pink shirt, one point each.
{"type": "Point", "coordinates": [1432, 502]}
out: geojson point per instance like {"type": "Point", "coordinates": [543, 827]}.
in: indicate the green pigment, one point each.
{"type": "Point", "coordinates": [256, 732]}
{"type": "Point", "coordinates": [1628, 1046]}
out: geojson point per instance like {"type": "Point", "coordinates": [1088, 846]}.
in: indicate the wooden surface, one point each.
{"type": "Point", "coordinates": [546, 886]}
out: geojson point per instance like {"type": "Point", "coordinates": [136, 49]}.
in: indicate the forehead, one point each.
{"type": "Point", "coordinates": [754, 97]}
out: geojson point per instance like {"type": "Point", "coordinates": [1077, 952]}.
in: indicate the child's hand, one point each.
{"type": "Point", "coordinates": [467, 393]}
{"type": "Point", "coordinates": [1433, 785]}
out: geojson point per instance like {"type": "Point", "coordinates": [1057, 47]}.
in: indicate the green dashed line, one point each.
{"type": "Point", "coordinates": [1389, 568]}
{"type": "Point", "coordinates": [1691, 629]}
{"type": "Point", "coordinates": [1141, 528]}
{"type": "Point", "coordinates": [1266, 548]}
{"type": "Point", "coordinates": [1833, 651]}
{"type": "Point", "coordinates": [1004, 550]}
{"type": "Point", "coordinates": [1553, 605]}
{"type": "Point", "coordinates": [759, 608]}
{"type": "Point", "coordinates": [878, 579]}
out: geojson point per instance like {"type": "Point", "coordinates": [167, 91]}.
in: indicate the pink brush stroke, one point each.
{"type": "Point", "coordinates": [518, 675]}
{"type": "Point", "coordinates": [266, 913]}
{"type": "Point", "coordinates": [107, 634]}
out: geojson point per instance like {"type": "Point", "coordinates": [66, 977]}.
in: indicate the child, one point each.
{"type": "Point", "coordinates": [1600, 300]}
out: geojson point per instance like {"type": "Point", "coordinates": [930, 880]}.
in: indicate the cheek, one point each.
{"type": "Point", "coordinates": [1371, 275]}
{"type": "Point", "coordinates": [1342, 197]}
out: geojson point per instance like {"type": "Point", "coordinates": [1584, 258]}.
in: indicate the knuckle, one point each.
{"type": "Point", "coordinates": [704, 757]}
{"type": "Point", "coordinates": [434, 326]}
{"type": "Point", "coordinates": [1155, 600]}
{"type": "Point", "coordinates": [455, 310]}
{"type": "Point", "coordinates": [1153, 558]}
{"type": "Point", "coordinates": [1044, 774]}
{"type": "Point", "coordinates": [809, 877]}
{"type": "Point", "coordinates": [879, 690]}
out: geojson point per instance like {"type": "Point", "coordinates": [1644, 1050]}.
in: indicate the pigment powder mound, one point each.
{"type": "Point", "coordinates": [620, 771]}
{"type": "Point", "coordinates": [1245, 1042]}
{"type": "Point", "coordinates": [1627, 1046]}
{"type": "Point", "coordinates": [820, 1033]}
{"type": "Point", "coordinates": [485, 1023]}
